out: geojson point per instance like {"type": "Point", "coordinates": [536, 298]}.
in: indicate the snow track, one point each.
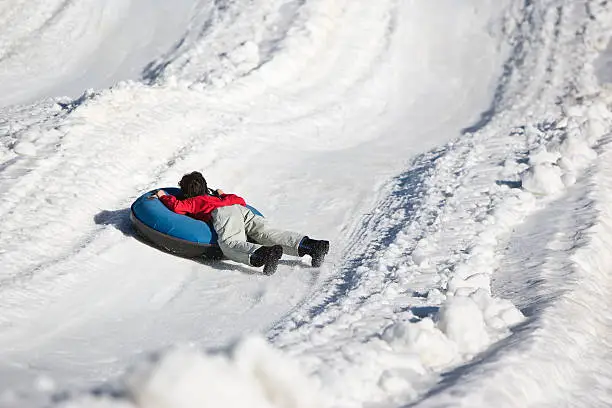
{"type": "Point", "coordinates": [455, 155]}
{"type": "Point", "coordinates": [62, 47]}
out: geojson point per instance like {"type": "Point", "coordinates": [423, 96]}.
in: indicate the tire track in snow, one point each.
{"type": "Point", "coordinates": [207, 55]}
{"type": "Point", "coordinates": [47, 12]}
{"type": "Point", "coordinates": [423, 236]}
{"type": "Point", "coordinates": [373, 235]}
{"type": "Point", "coordinates": [525, 31]}
{"type": "Point", "coordinates": [92, 169]}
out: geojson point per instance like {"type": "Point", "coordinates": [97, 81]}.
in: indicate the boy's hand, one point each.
{"type": "Point", "coordinates": [160, 193]}
{"type": "Point", "coordinates": [219, 191]}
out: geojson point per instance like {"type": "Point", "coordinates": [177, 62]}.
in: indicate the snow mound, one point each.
{"type": "Point", "coordinates": [555, 167]}
{"type": "Point", "coordinates": [251, 374]}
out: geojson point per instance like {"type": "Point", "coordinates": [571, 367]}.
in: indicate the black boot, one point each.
{"type": "Point", "coordinates": [317, 249]}
{"type": "Point", "coordinates": [268, 257]}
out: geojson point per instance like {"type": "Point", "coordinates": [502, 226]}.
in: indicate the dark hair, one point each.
{"type": "Point", "coordinates": [193, 185]}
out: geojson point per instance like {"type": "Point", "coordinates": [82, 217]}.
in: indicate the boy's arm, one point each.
{"type": "Point", "coordinates": [230, 199]}
{"type": "Point", "coordinates": [178, 206]}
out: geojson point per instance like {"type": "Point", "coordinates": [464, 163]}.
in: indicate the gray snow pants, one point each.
{"type": "Point", "coordinates": [234, 223]}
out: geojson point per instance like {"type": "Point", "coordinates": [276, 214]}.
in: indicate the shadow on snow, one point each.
{"type": "Point", "coordinates": [120, 219]}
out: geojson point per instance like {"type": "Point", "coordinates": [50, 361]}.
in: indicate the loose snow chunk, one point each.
{"type": "Point", "coordinates": [543, 179]}
{"type": "Point", "coordinates": [543, 156]}
{"type": "Point", "coordinates": [255, 376]}
{"type": "Point", "coordinates": [25, 149]}
{"type": "Point", "coordinates": [423, 339]}
{"type": "Point", "coordinates": [396, 381]}
{"type": "Point", "coordinates": [599, 117]}
{"type": "Point", "coordinates": [463, 322]}
{"type": "Point", "coordinates": [246, 56]}
{"type": "Point", "coordinates": [595, 129]}
{"type": "Point", "coordinates": [577, 154]}
{"type": "Point", "coordinates": [420, 255]}
{"type": "Point", "coordinates": [498, 314]}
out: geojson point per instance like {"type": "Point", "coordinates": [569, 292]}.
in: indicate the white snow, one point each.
{"type": "Point", "coordinates": [456, 155]}
{"type": "Point", "coordinates": [254, 375]}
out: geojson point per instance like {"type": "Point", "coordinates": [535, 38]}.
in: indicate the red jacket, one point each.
{"type": "Point", "coordinates": [200, 207]}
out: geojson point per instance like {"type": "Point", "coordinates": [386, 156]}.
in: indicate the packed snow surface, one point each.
{"type": "Point", "coordinates": [456, 154]}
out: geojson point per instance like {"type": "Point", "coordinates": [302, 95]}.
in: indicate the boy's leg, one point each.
{"type": "Point", "coordinates": [229, 224]}
{"type": "Point", "coordinates": [257, 228]}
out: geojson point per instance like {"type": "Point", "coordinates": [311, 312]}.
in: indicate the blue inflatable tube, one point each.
{"type": "Point", "coordinates": [176, 233]}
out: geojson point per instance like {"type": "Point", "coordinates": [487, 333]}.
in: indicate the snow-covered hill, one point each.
{"type": "Point", "coordinates": [455, 154]}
